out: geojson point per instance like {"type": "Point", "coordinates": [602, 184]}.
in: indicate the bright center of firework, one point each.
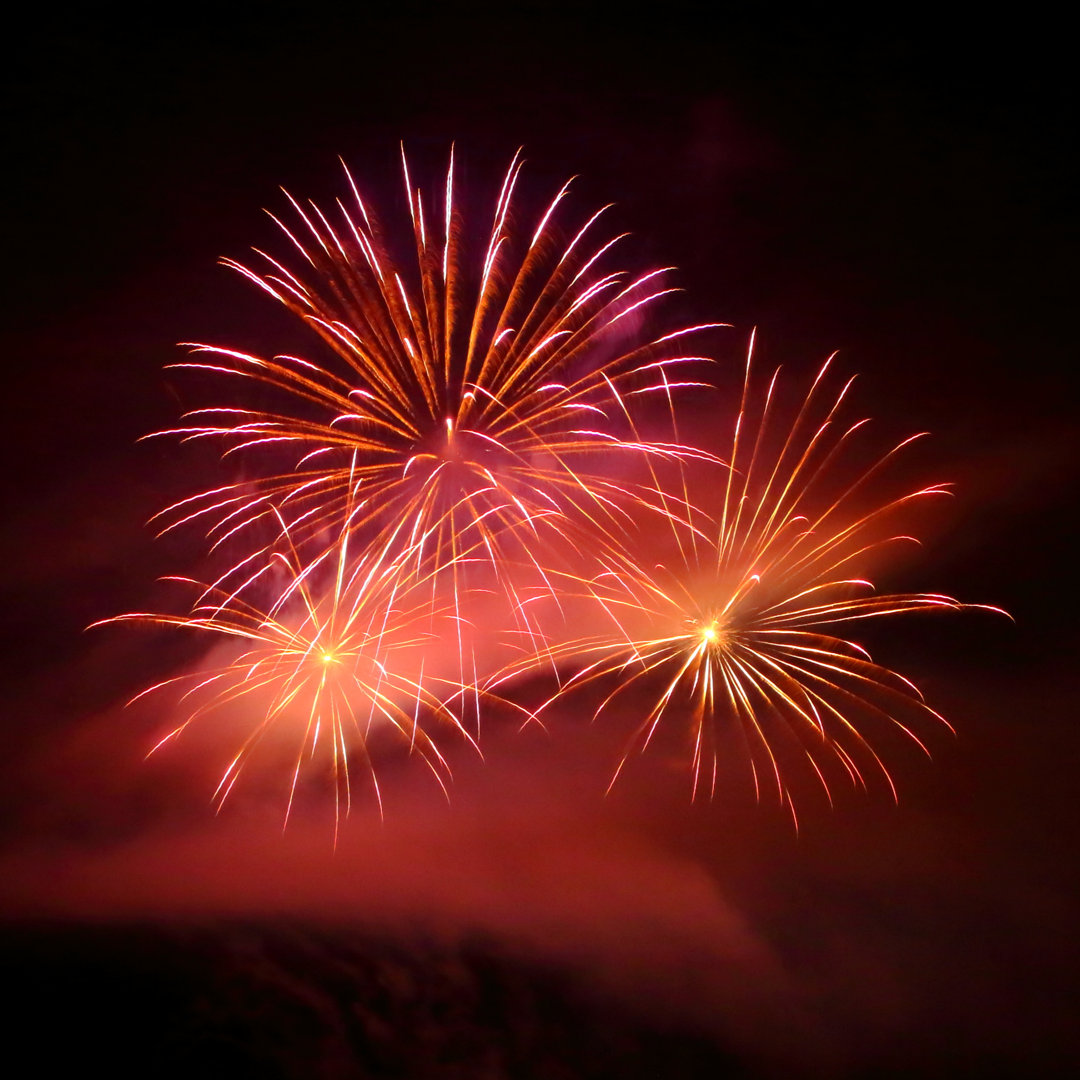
{"type": "Point", "coordinates": [328, 658]}
{"type": "Point", "coordinates": [709, 632]}
{"type": "Point", "coordinates": [460, 458]}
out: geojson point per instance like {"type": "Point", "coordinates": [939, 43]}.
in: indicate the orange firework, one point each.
{"type": "Point", "coordinates": [465, 411]}
{"type": "Point", "coordinates": [738, 629]}
{"type": "Point", "coordinates": [337, 661]}
{"type": "Point", "coordinates": [468, 446]}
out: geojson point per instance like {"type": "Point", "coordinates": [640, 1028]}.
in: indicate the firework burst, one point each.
{"type": "Point", "coordinates": [335, 664]}
{"type": "Point", "coordinates": [738, 632]}
{"type": "Point", "coordinates": [466, 411]}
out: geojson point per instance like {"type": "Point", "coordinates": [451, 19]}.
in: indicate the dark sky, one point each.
{"type": "Point", "coordinates": [901, 189]}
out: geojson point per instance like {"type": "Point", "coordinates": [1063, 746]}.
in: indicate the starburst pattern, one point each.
{"type": "Point", "coordinates": [336, 662]}
{"type": "Point", "coordinates": [467, 411]}
{"type": "Point", "coordinates": [738, 633]}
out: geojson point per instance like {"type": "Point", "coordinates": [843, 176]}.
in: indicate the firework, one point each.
{"type": "Point", "coordinates": [336, 663]}
{"type": "Point", "coordinates": [464, 449]}
{"type": "Point", "coordinates": [467, 409]}
{"type": "Point", "coordinates": [738, 632]}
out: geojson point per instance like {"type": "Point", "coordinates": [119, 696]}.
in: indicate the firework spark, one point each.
{"type": "Point", "coordinates": [737, 630]}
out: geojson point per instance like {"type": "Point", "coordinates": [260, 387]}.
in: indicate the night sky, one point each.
{"type": "Point", "coordinates": [901, 190]}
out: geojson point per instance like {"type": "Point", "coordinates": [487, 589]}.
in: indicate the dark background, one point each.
{"type": "Point", "coordinates": [900, 188]}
